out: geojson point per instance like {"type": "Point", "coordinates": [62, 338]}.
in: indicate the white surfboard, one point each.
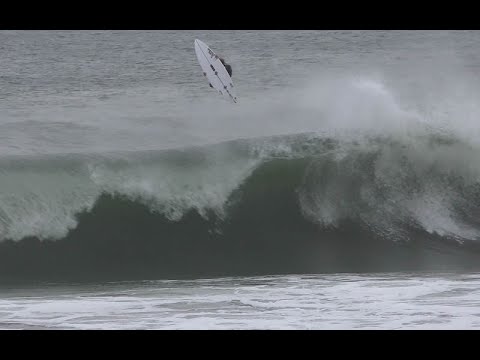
{"type": "Point", "coordinates": [214, 70]}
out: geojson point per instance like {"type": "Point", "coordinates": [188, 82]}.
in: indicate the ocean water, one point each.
{"type": "Point", "coordinates": [341, 191]}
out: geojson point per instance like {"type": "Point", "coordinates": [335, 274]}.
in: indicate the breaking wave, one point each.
{"type": "Point", "coordinates": [370, 197]}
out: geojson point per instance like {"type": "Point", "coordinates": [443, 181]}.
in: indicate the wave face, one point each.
{"type": "Point", "coordinates": [272, 205]}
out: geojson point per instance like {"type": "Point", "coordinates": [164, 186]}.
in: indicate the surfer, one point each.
{"type": "Point", "coordinates": [227, 67]}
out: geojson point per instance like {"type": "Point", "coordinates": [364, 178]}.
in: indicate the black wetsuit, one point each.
{"type": "Point", "coordinates": [229, 69]}
{"type": "Point", "coordinates": [227, 66]}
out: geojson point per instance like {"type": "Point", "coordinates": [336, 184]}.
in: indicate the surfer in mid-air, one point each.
{"type": "Point", "coordinates": [227, 67]}
{"type": "Point", "coordinates": [216, 70]}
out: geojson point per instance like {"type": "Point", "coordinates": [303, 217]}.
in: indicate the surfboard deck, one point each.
{"type": "Point", "coordinates": [214, 70]}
